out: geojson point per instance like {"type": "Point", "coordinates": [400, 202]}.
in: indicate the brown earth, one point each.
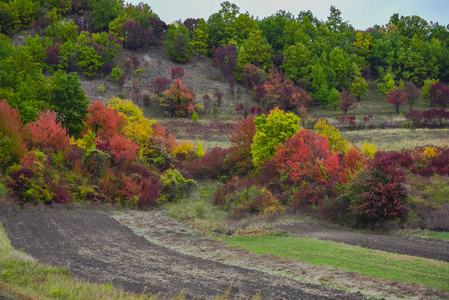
{"type": "Point", "coordinates": [93, 246]}
{"type": "Point", "coordinates": [432, 249]}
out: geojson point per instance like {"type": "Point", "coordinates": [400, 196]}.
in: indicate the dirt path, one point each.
{"type": "Point", "coordinates": [96, 247]}
{"type": "Point", "coordinates": [432, 249]}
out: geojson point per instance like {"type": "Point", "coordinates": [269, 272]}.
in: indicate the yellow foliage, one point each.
{"type": "Point", "coordinates": [369, 150]}
{"type": "Point", "coordinates": [87, 141]}
{"type": "Point", "coordinates": [430, 152]}
{"type": "Point", "coordinates": [199, 151]}
{"type": "Point", "coordinates": [130, 111]}
{"type": "Point", "coordinates": [336, 141]}
{"type": "Point", "coordinates": [184, 149]}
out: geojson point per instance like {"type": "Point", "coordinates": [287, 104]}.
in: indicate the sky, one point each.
{"type": "Point", "coordinates": [362, 14]}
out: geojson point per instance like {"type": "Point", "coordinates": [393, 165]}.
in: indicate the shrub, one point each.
{"type": "Point", "coordinates": [307, 196]}
{"type": "Point", "coordinates": [336, 141]}
{"type": "Point", "coordinates": [306, 157]}
{"type": "Point", "coordinates": [151, 191]}
{"type": "Point", "coordinates": [212, 165]}
{"type": "Point", "coordinates": [174, 185]}
{"type": "Point", "coordinates": [242, 197]}
{"type": "Point", "coordinates": [47, 133]}
{"type": "Point", "coordinates": [241, 140]}
{"type": "Point", "coordinates": [377, 193]}
{"type": "Point", "coordinates": [369, 149]}
{"type": "Point", "coordinates": [433, 118]}
{"type": "Point", "coordinates": [272, 131]}
{"type": "Point", "coordinates": [177, 72]}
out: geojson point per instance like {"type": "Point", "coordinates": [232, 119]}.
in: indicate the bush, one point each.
{"type": "Point", "coordinates": [433, 118]}
{"type": "Point", "coordinates": [377, 194]}
{"type": "Point", "coordinates": [174, 185]}
{"type": "Point", "coordinates": [211, 166]}
{"type": "Point", "coordinates": [242, 197]}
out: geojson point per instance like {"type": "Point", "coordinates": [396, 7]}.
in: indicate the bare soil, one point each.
{"type": "Point", "coordinates": [94, 246]}
{"type": "Point", "coordinates": [432, 249]}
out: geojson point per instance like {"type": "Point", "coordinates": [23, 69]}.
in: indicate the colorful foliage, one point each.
{"type": "Point", "coordinates": [369, 149]}
{"type": "Point", "coordinates": [306, 157]}
{"type": "Point", "coordinates": [178, 100]}
{"type": "Point", "coordinates": [241, 140]}
{"type": "Point", "coordinates": [47, 133]}
{"type": "Point", "coordinates": [336, 141]}
{"type": "Point", "coordinates": [105, 122]}
{"type": "Point", "coordinates": [272, 131]}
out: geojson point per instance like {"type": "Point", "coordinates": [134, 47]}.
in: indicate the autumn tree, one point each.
{"type": "Point", "coordinates": [104, 121]}
{"type": "Point", "coordinates": [413, 93]}
{"type": "Point", "coordinates": [12, 135]}
{"type": "Point", "coordinates": [348, 101]}
{"type": "Point", "coordinates": [272, 131]}
{"type": "Point", "coordinates": [225, 58]}
{"type": "Point", "coordinates": [241, 139]}
{"type": "Point", "coordinates": [306, 157]}
{"type": "Point", "coordinates": [252, 75]}
{"type": "Point", "coordinates": [439, 95]}
{"type": "Point", "coordinates": [177, 72]}
{"type": "Point", "coordinates": [47, 132]}
{"type": "Point", "coordinates": [397, 97]}
{"type": "Point", "coordinates": [178, 100]}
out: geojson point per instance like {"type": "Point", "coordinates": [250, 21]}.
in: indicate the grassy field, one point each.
{"type": "Point", "coordinates": [375, 263]}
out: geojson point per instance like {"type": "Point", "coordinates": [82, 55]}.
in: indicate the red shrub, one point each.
{"type": "Point", "coordinates": [151, 190]}
{"type": "Point", "coordinates": [122, 150]}
{"type": "Point", "coordinates": [61, 195]}
{"type": "Point", "coordinates": [433, 118]}
{"type": "Point", "coordinates": [11, 126]}
{"type": "Point", "coordinates": [212, 165]}
{"type": "Point", "coordinates": [47, 133]}
{"type": "Point", "coordinates": [308, 195]}
{"type": "Point", "coordinates": [104, 121]}
{"type": "Point", "coordinates": [241, 140]}
{"type": "Point", "coordinates": [160, 85]}
{"type": "Point", "coordinates": [439, 95]}
{"type": "Point", "coordinates": [377, 193]}
{"type": "Point", "coordinates": [348, 101]}
{"type": "Point", "coordinates": [177, 72]}
{"type": "Point", "coordinates": [306, 157]}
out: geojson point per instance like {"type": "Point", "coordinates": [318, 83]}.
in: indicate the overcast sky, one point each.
{"type": "Point", "coordinates": [362, 14]}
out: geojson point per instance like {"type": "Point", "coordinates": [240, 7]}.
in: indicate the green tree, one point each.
{"type": "Point", "coordinates": [296, 63]}
{"type": "Point", "coordinates": [116, 73]}
{"type": "Point", "coordinates": [425, 89]}
{"type": "Point", "coordinates": [177, 43]}
{"type": "Point", "coordinates": [272, 131]}
{"type": "Point", "coordinates": [67, 55]}
{"type": "Point", "coordinates": [104, 11]}
{"type": "Point", "coordinates": [334, 98]}
{"type": "Point", "coordinates": [88, 59]}
{"type": "Point", "coordinates": [273, 28]}
{"type": "Point", "coordinates": [358, 86]}
{"type": "Point", "coordinates": [256, 51]}
{"type": "Point", "coordinates": [68, 101]}
{"type": "Point", "coordinates": [200, 39]}
{"type": "Point", "coordinates": [338, 62]}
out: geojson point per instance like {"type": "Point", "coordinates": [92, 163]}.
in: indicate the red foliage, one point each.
{"type": "Point", "coordinates": [177, 72]}
{"type": "Point", "coordinates": [306, 157]}
{"type": "Point", "coordinates": [212, 165]}
{"type": "Point", "coordinates": [397, 98]}
{"type": "Point", "coordinates": [348, 101]}
{"type": "Point", "coordinates": [135, 60]}
{"type": "Point", "coordinates": [281, 92]}
{"type": "Point", "coordinates": [377, 193]}
{"type": "Point", "coordinates": [433, 118]}
{"type": "Point", "coordinates": [307, 195]}
{"type": "Point", "coordinates": [162, 139]}
{"type": "Point", "coordinates": [47, 133]}
{"type": "Point", "coordinates": [133, 33]}
{"type": "Point", "coordinates": [104, 121]}
{"type": "Point", "coordinates": [61, 195]}
{"type": "Point", "coordinates": [352, 163]}
{"type": "Point", "coordinates": [151, 190]}
{"type": "Point", "coordinates": [241, 140]}
{"type": "Point", "coordinates": [160, 85]}
{"type": "Point", "coordinates": [439, 95]}
{"type": "Point", "coordinates": [252, 75]}
{"type": "Point", "coordinates": [225, 58]}
{"type": "Point", "coordinates": [11, 126]}
{"type": "Point", "coordinates": [122, 150]}
{"type": "Point", "coordinates": [52, 55]}
{"type": "Point", "coordinates": [179, 99]}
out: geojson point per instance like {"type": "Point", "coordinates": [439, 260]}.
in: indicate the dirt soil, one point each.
{"type": "Point", "coordinates": [432, 249]}
{"type": "Point", "coordinates": [96, 247]}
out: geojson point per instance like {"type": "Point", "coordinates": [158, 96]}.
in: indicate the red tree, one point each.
{"type": "Point", "coordinates": [439, 95]}
{"type": "Point", "coordinates": [413, 93]}
{"type": "Point", "coordinates": [306, 157]}
{"type": "Point", "coordinates": [348, 101]}
{"type": "Point", "coordinates": [122, 150]}
{"type": "Point", "coordinates": [104, 121]}
{"type": "Point", "coordinates": [11, 127]}
{"type": "Point", "coordinates": [179, 99]}
{"type": "Point", "coordinates": [160, 85]}
{"type": "Point", "coordinates": [52, 55]}
{"type": "Point", "coordinates": [133, 34]}
{"type": "Point", "coordinates": [226, 59]}
{"type": "Point", "coordinates": [397, 98]}
{"type": "Point", "coordinates": [177, 72]}
{"type": "Point", "coordinates": [241, 140]}
{"type": "Point", "coordinates": [252, 75]}
{"type": "Point", "coordinates": [47, 133]}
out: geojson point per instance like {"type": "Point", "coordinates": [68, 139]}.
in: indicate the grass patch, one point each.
{"type": "Point", "coordinates": [375, 263]}
{"type": "Point", "coordinates": [22, 278]}
{"type": "Point", "coordinates": [427, 234]}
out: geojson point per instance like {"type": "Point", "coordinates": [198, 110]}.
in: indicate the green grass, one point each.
{"type": "Point", "coordinates": [379, 264]}
{"type": "Point", "coordinates": [21, 278]}
{"type": "Point", "coordinates": [426, 234]}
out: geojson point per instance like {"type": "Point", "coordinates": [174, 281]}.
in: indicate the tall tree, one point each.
{"type": "Point", "coordinates": [178, 44]}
